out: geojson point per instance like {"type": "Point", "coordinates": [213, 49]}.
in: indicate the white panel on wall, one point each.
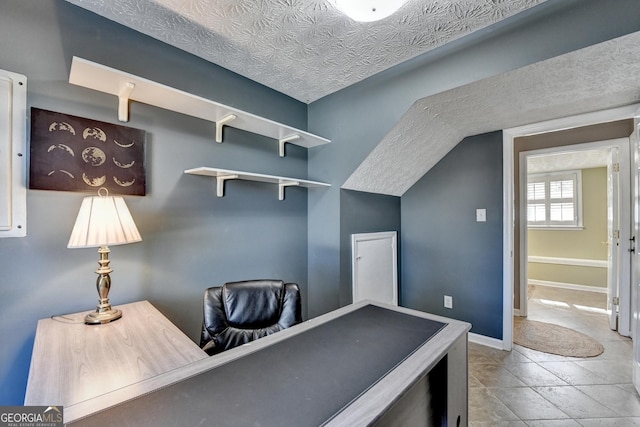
{"type": "Point", "coordinates": [13, 143]}
{"type": "Point", "coordinates": [374, 264]}
{"type": "Point", "coordinates": [5, 154]}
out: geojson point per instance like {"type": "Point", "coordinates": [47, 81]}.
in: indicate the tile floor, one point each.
{"type": "Point", "coordinates": [529, 388]}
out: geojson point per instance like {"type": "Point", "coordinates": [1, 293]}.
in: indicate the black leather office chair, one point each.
{"type": "Point", "coordinates": [239, 312]}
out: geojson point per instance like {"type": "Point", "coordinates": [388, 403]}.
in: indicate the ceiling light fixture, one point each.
{"type": "Point", "coordinates": [368, 10]}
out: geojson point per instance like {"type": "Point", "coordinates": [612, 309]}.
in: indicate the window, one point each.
{"type": "Point", "coordinates": [554, 200]}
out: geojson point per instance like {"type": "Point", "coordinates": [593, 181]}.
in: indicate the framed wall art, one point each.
{"type": "Point", "coordinates": [70, 153]}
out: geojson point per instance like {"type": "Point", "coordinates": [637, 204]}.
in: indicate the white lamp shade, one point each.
{"type": "Point", "coordinates": [368, 10]}
{"type": "Point", "coordinates": [103, 221]}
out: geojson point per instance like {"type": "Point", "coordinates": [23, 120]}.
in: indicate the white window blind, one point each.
{"type": "Point", "coordinates": [553, 199]}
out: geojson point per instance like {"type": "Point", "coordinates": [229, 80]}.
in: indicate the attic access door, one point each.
{"type": "Point", "coordinates": [375, 267]}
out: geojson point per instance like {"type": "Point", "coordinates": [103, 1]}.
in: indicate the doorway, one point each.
{"type": "Point", "coordinates": [575, 206]}
{"type": "Point", "coordinates": [601, 122]}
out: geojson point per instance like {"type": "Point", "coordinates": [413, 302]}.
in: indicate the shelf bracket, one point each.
{"type": "Point", "coordinates": [123, 101]}
{"type": "Point", "coordinates": [283, 185]}
{"type": "Point", "coordinates": [220, 179]}
{"type": "Point", "coordinates": [285, 140]}
{"type": "Point", "coordinates": [220, 123]}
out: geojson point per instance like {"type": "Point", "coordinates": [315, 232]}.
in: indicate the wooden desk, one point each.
{"type": "Point", "coordinates": [226, 389]}
{"type": "Point", "coordinates": [73, 362]}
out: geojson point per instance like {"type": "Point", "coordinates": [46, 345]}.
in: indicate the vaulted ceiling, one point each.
{"type": "Point", "coordinates": [306, 49]}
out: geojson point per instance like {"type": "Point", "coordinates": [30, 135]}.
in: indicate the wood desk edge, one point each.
{"type": "Point", "coordinates": [453, 330]}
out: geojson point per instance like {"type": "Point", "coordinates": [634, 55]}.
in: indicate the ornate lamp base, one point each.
{"type": "Point", "coordinates": [104, 312]}
{"type": "Point", "coordinates": [98, 317]}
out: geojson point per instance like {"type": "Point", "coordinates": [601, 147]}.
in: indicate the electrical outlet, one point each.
{"type": "Point", "coordinates": [448, 301]}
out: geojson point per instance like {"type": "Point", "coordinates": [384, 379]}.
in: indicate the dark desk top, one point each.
{"type": "Point", "coordinates": [303, 380]}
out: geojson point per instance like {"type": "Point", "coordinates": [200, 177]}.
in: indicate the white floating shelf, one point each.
{"type": "Point", "coordinates": [222, 175]}
{"type": "Point", "coordinates": [129, 87]}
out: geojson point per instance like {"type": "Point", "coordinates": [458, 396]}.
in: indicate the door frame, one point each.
{"type": "Point", "coordinates": [362, 237]}
{"type": "Point", "coordinates": [620, 210]}
{"type": "Point", "coordinates": [508, 202]}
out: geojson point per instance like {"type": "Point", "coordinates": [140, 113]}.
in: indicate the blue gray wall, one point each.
{"type": "Point", "coordinates": [358, 118]}
{"type": "Point", "coordinates": [363, 213]}
{"type": "Point", "coordinates": [445, 251]}
{"type": "Point", "coordinates": [191, 238]}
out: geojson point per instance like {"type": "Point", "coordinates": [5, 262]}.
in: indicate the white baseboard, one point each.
{"type": "Point", "coordinates": [486, 341]}
{"type": "Point", "coordinates": [572, 286]}
{"type": "Point", "coordinates": [578, 262]}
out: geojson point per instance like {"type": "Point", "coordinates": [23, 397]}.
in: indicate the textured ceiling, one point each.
{"type": "Point", "coordinates": [303, 48]}
{"type": "Point", "coordinates": [595, 78]}
{"type": "Point", "coordinates": [307, 50]}
{"type": "Point", "coordinates": [570, 160]}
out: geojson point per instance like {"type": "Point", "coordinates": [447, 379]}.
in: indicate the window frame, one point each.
{"type": "Point", "coordinates": [547, 178]}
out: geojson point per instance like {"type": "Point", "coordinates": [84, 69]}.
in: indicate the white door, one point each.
{"type": "Point", "coordinates": [375, 267]}
{"type": "Point", "coordinates": [635, 265]}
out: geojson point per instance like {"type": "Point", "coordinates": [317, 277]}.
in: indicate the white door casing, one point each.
{"type": "Point", "coordinates": [613, 237]}
{"type": "Point", "coordinates": [625, 257]}
{"type": "Point", "coordinates": [509, 202]}
{"type": "Point", "coordinates": [619, 239]}
{"type": "Point", "coordinates": [374, 266]}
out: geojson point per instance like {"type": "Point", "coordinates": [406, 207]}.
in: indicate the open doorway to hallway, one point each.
{"type": "Point", "coordinates": [571, 213]}
{"type": "Point", "coordinates": [574, 211]}
{"type": "Point", "coordinates": [595, 126]}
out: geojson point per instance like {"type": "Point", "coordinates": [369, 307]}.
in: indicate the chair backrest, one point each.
{"type": "Point", "coordinates": [239, 312]}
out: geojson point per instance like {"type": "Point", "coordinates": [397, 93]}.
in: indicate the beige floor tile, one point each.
{"type": "Point", "coordinates": [617, 350]}
{"type": "Point", "coordinates": [485, 407]}
{"type": "Point", "coordinates": [527, 404]}
{"type": "Point", "coordinates": [623, 402]}
{"type": "Point", "coordinates": [553, 423]}
{"type": "Point", "coordinates": [473, 382]}
{"type": "Point", "coordinates": [532, 374]}
{"type": "Point", "coordinates": [629, 388]}
{"type": "Point", "coordinates": [610, 422]}
{"type": "Point", "coordinates": [574, 402]}
{"type": "Point", "coordinates": [482, 354]}
{"type": "Point", "coordinates": [518, 388]}
{"type": "Point", "coordinates": [612, 371]}
{"type": "Point", "coordinates": [499, 424]}
{"type": "Point", "coordinates": [574, 373]}
{"type": "Point", "coordinates": [538, 356]}
{"type": "Point", "coordinates": [494, 376]}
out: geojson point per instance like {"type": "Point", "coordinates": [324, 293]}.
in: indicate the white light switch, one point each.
{"type": "Point", "coordinates": [481, 215]}
{"type": "Point", "coordinates": [448, 301]}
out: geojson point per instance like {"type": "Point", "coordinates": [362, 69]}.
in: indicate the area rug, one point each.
{"type": "Point", "coordinates": [554, 339]}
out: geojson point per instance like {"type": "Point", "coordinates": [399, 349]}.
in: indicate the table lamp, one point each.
{"type": "Point", "coordinates": [103, 220]}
